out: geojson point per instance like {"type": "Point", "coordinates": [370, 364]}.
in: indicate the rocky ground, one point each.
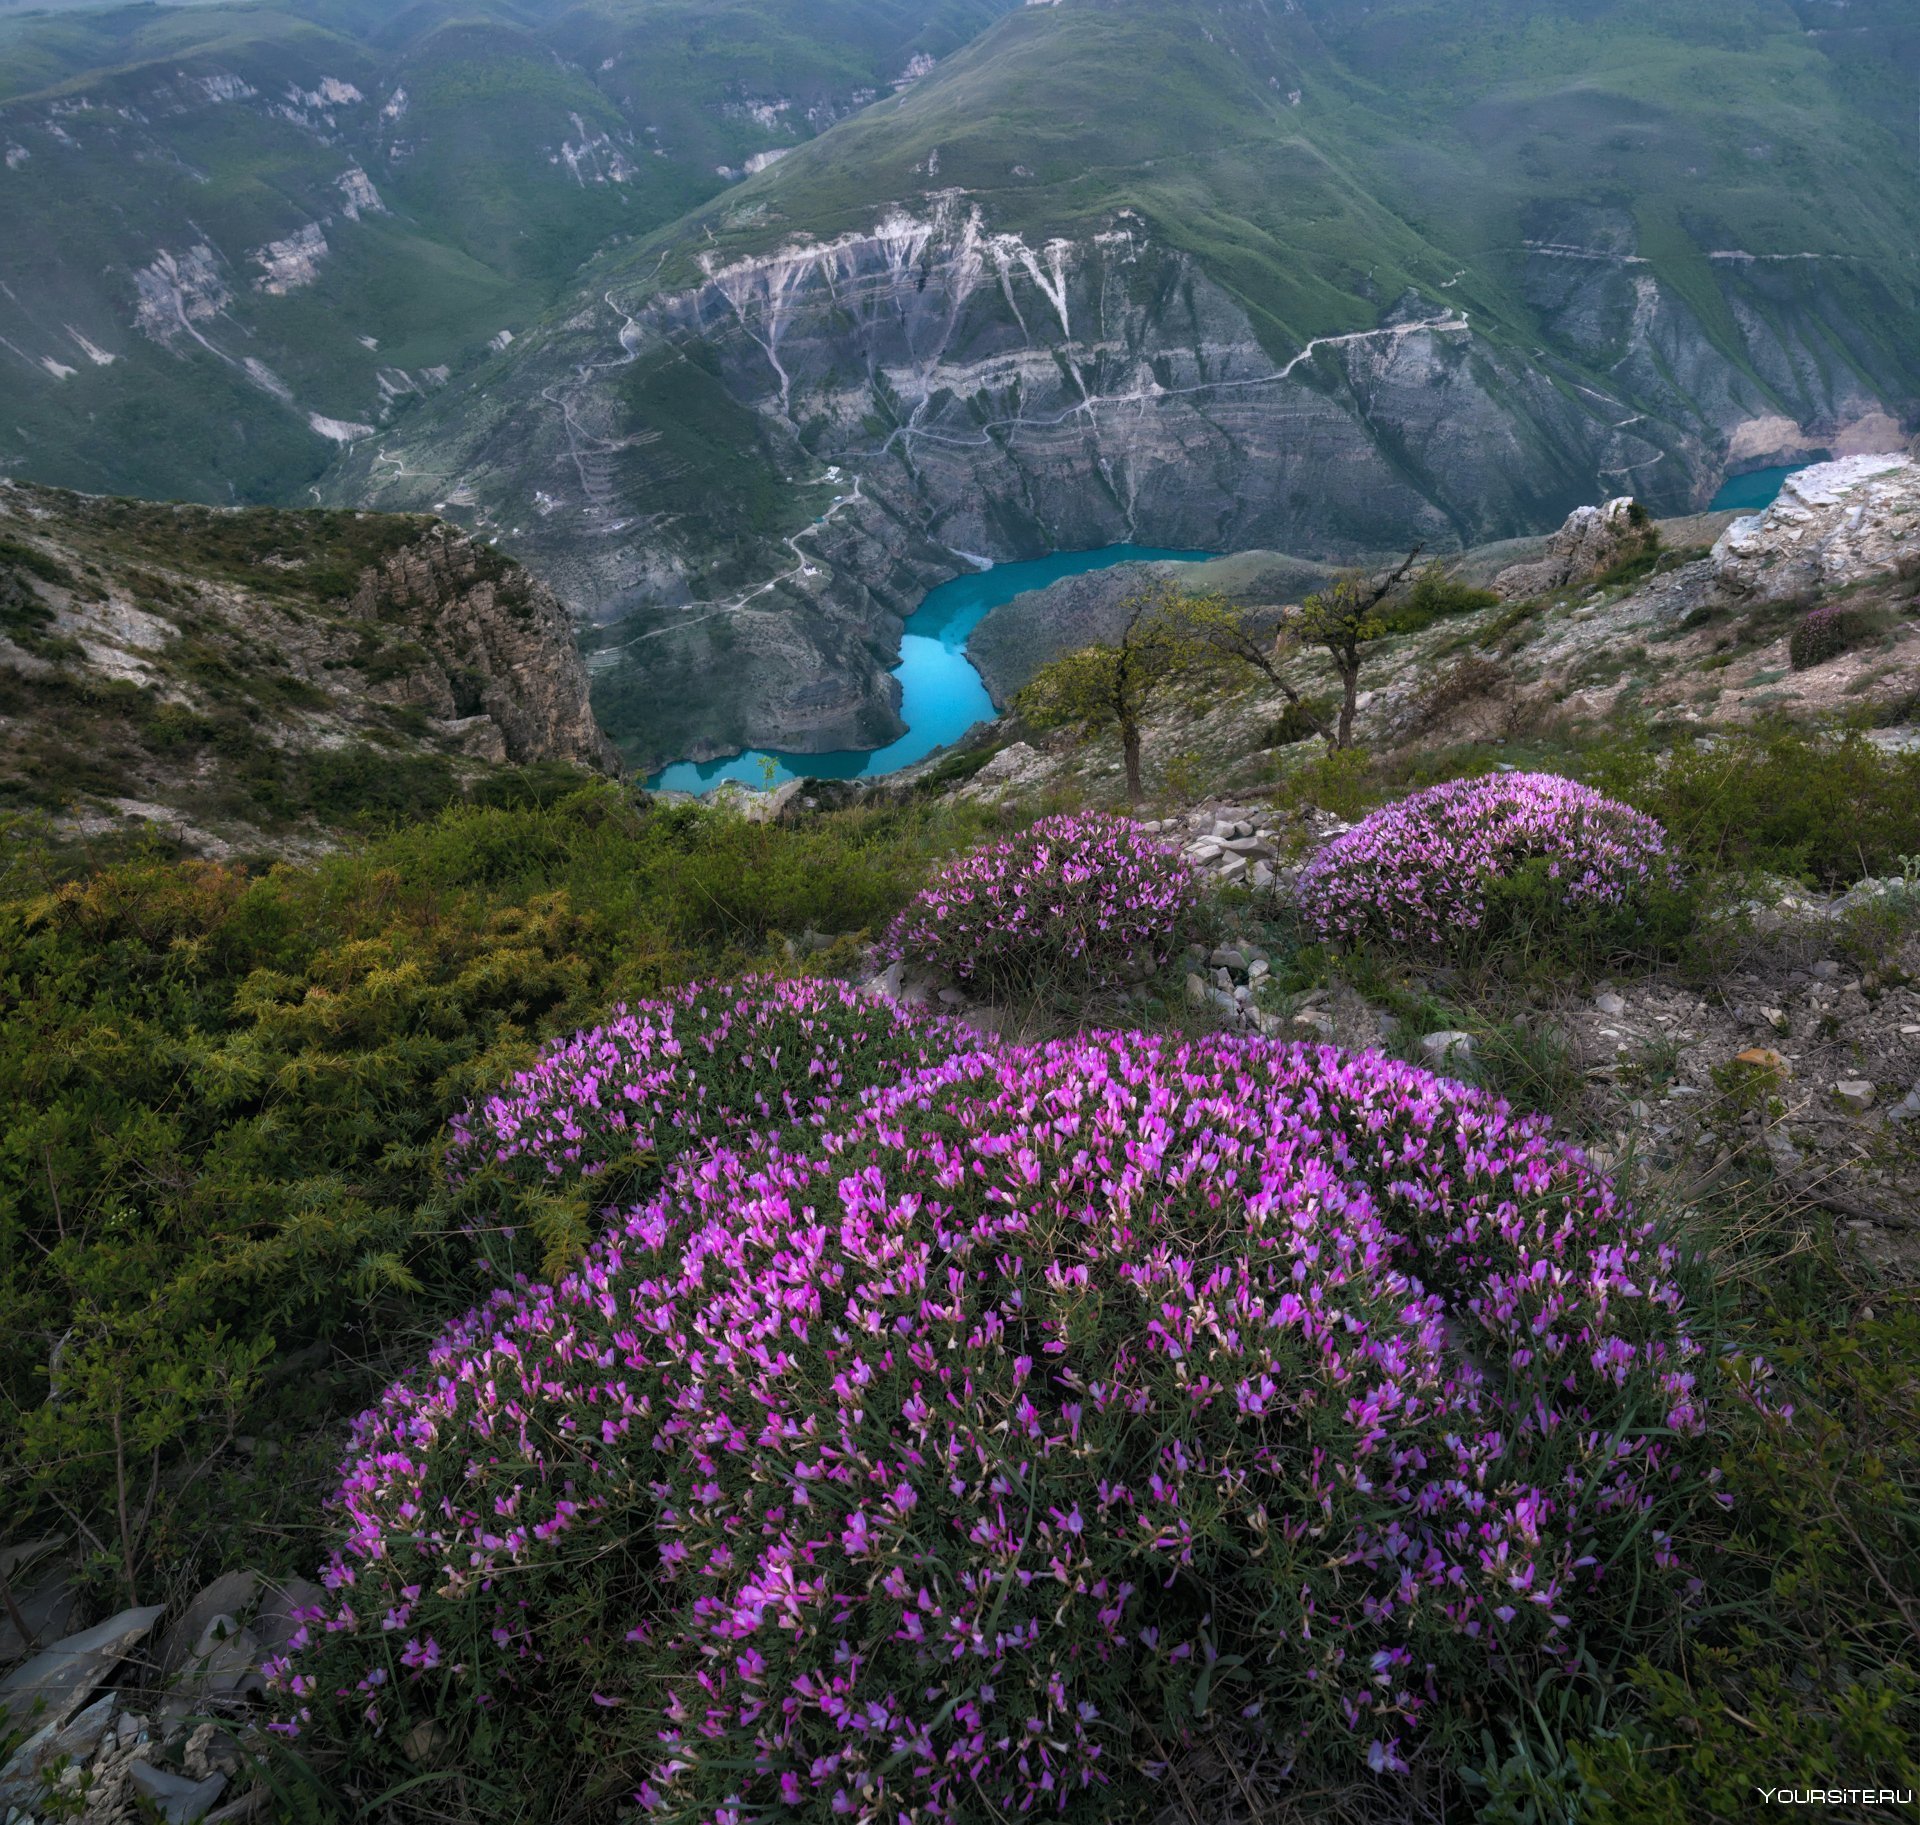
{"type": "Point", "coordinates": [152, 1712]}
{"type": "Point", "coordinates": [1699, 644]}
{"type": "Point", "coordinates": [1789, 1047]}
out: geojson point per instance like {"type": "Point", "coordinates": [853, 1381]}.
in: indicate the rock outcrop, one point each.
{"type": "Point", "coordinates": [503, 647]}
{"type": "Point", "coordinates": [1594, 539]}
{"type": "Point", "coordinates": [237, 675]}
{"type": "Point", "coordinates": [1834, 525]}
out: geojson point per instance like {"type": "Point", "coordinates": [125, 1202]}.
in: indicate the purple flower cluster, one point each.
{"type": "Point", "coordinates": [1091, 895]}
{"type": "Point", "coordinates": [1429, 869]}
{"type": "Point", "coordinates": [958, 1456]}
{"type": "Point", "coordinates": [664, 1077]}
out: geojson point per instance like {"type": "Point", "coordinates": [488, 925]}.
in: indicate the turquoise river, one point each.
{"type": "Point", "coordinates": [1757, 489]}
{"type": "Point", "coordinates": [941, 695]}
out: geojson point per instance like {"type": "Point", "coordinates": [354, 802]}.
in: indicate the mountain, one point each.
{"type": "Point", "coordinates": [237, 237]}
{"type": "Point", "coordinates": [255, 680]}
{"type": "Point", "coordinates": [1316, 276]}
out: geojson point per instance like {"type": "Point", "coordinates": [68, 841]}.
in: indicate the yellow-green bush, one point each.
{"type": "Point", "coordinates": [226, 1093]}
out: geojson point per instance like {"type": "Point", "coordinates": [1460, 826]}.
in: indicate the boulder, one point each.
{"type": "Point", "coordinates": [1017, 765]}
{"type": "Point", "coordinates": [57, 1681]}
{"type": "Point", "coordinates": [72, 1742]}
{"type": "Point", "coordinates": [50, 1609]}
{"type": "Point", "coordinates": [276, 1623]}
{"type": "Point", "coordinates": [1592, 540]}
{"type": "Point", "coordinates": [226, 1597]}
{"type": "Point", "coordinates": [176, 1799]}
{"type": "Point", "coordinates": [1450, 1050]}
{"type": "Point", "coordinates": [1833, 525]}
{"type": "Point", "coordinates": [768, 807]}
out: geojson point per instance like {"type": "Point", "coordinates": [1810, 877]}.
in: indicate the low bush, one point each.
{"type": "Point", "coordinates": [1055, 1408]}
{"type": "Point", "coordinates": [1829, 631]}
{"type": "Point", "coordinates": [1087, 897]}
{"type": "Point", "coordinates": [226, 1093]}
{"type": "Point", "coordinates": [1504, 856]}
{"type": "Point", "coordinates": [1300, 722]}
{"type": "Point", "coordinates": [1805, 1671]}
{"type": "Point", "coordinates": [1436, 594]}
{"type": "Point", "coordinates": [1830, 808]}
{"type": "Point", "coordinates": [607, 1110]}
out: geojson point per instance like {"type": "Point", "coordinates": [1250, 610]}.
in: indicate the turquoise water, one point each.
{"type": "Point", "coordinates": [941, 695]}
{"type": "Point", "coordinates": [1756, 489]}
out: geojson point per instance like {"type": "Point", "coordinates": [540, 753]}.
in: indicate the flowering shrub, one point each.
{"type": "Point", "coordinates": [1090, 894]}
{"type": "Point", "coordinates": [1461, 861]}
{"type": "Point", "coordinates": [1827, 632]}
{"type": "Point", "coordinates": [1049, 1408]}
{"type": "Point", "coordinates": [615, 1104]}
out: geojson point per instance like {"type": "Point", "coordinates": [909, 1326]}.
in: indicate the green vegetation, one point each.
{"type": "Point", "coordinates": [1824, 808]}
{"type": "Point", "coordinates": [507, 144]}
{"type": "Point", "coordinates": [228, 1092]}
{"type": "Point", "coordinates": [226, 1209]}
{"type": "Point", "coordinates": [1114, 684]}
{"type": "Point", "coordinates": [1436, 594]}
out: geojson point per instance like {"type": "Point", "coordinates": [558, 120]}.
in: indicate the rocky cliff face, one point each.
{"type": "Point", "coordinates": [500, 663]}
{"type": "Point", "coordinates": [1593, 540]}
{"type": "Point", "coordinates": [1834, 526]}
{"type": "Point", "coordinates": [744, 484]}
{"type": "Point", "coordinates": [256, 680]}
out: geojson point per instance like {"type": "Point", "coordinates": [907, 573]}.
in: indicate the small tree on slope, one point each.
{"type": "Point", "coordinates": [1114, 684]}
{"type": "Point", "coordinates": [1345, 620]}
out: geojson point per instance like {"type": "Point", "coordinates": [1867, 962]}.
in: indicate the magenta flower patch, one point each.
{"type": "Point", "coordinates": [1091, 896]}
{"type": "Point", "coordinates": [968, 1451]}
{"type": "Point", "coordinates": [1424, 871]}
{"type": "Point", "coordinates": [665, 1077]}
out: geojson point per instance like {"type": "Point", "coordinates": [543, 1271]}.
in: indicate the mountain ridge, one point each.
{"type": "Point", "coordinates": [242, 235]}
{"type": "Point", "coordinates": [897, 304]}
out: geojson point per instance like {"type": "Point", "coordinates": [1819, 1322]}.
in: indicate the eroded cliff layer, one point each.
{"type": "Point", "coordinates": [1266, 302]}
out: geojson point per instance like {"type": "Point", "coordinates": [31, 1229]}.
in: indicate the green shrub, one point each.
{"type": "Point", "coordinates": [1300, 722]}
{"type": "Point", "coordinates": [226, 1093]}
{"type": "Point", "coordinates": [1436, 594]}
{"type": "Point", "coordinates": [17, 555]}
{"type": "Point", "coordinates": [1830, 808]}
{"type": "Point", "coordinates": [1805, 1671]}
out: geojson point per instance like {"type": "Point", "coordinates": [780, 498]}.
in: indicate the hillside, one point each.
{"type": "Point", "coordinates": [674, 1155]}
{"type": "Point", "coordinates": [256, 681]}
{"type": "Point", "coordinates": [239, 236]}
{"type": "Point", "coordinates": [1329, 279]}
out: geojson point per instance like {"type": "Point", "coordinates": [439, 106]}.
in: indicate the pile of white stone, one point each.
{"type": "Point", "coordinates": [1236, 845]}
{"type": "Point", "coordinates": [146, 1715]}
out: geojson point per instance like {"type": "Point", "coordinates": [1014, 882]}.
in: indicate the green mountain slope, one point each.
{"type": "Point", "coordinates": [237, 236]}
{"type": "Point", "coordinates": [1199, 273]}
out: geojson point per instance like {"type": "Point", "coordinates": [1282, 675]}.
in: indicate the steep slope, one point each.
{"type": "Point", "coordinates": [237, 237]}
{"type": "Point", "coordinates": [235, 676]}
{"type": "Point", "coordinates": [1196, 273]}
